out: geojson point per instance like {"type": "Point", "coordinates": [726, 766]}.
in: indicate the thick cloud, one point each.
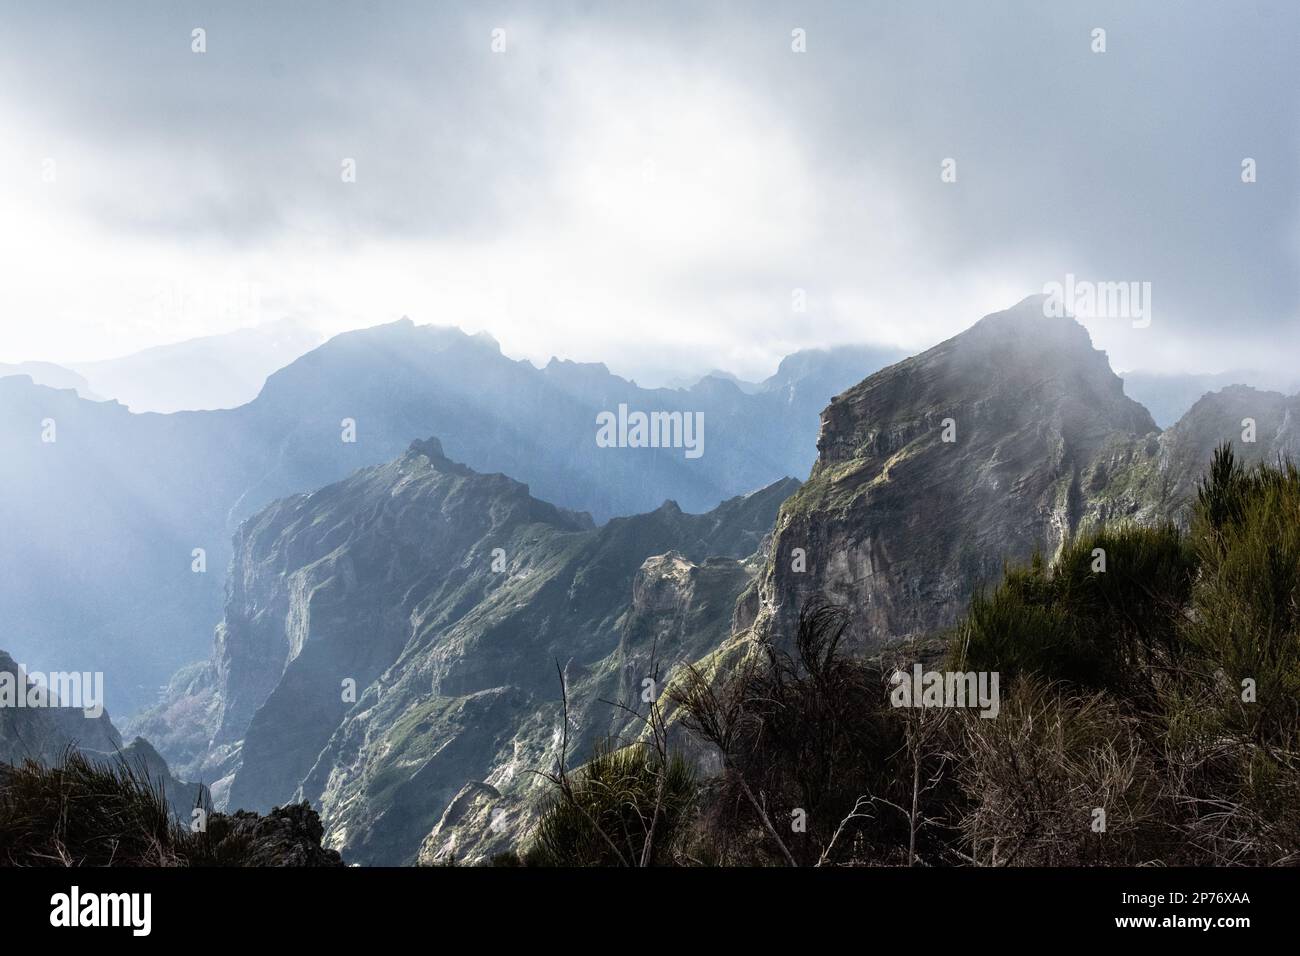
{"type": "Point", "coordinates": [648, 184]}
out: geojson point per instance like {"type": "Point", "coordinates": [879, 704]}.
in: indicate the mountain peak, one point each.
{"type": "Point", "coordinates": [590, 370]}
{"type": "Point", "coordinates": [999, 441]}
{"type": "Point", "coordinates": [430, 448]}
{"type": "Point", "coordinates": [1003, 367]}
{"type": "Point", "coordinates": [1029, 318]}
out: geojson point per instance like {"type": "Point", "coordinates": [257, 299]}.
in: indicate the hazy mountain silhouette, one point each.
{"type": "Point", "coordinates": [47, 373]}
{"type": "Point", "coordinates": [215, 371]}
{"type": "Point", "coordinates": [1169, 396]}
{"type": "Point", "coordinates": [102, 523]}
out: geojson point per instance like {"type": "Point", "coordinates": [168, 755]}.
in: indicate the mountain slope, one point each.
{"type": "Point", "coordinates": [902, 526]}
{"type": "Point", "coordinates": [1231, 414]}
{"type": "Point", "coordinates": [392, 580]}
{"type": "Point", "coordinates": [43, 733]}
{"type": "Point", "coordinates": [102, 522]}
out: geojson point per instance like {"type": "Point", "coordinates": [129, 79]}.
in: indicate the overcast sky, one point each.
{"type": "Point", "coordinates": [647, 184]}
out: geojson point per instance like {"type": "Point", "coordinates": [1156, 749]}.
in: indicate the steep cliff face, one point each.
{"type": "Point", "coordinates": [394, 638]}
{"type": "Point", "coordinates": [935, 471]}
{"type": "Point", "coordinates": [999, 442]}
{"type": "Point", "coordinates": [329, 588]}
{"type": "Point", "coordinates": [478, 702]}
{"type": "Point", "coordinates": [679, 612]}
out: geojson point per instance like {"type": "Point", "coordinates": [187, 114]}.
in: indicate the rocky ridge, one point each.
{"type": "Point", "coordinates": [997, 443]}
{"type": "Point", "coordinates": [450, 601]}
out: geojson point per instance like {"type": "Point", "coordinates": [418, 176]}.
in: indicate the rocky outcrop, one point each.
{"type": "Point", "coordinates": [997, 443]}
{"type": "Point", "coordinates": [328, 589]}
{"type": "Point", "coordinates": [395, 637]}
{"type": "Point", "coordinates": [1170, 396]}
{"type": "Point", "coordinates": [286, 836]}
{"type": "Point", "coordinates": [1262, 427]}
{"type": "Point", "coordinates": [935, 471]}
{"type": "Point", "coordinates": [184, 722]}
{"type": "Point", "coordinates": [473, 819]}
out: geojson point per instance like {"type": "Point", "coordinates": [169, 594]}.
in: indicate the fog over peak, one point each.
{"type": "Point", "coordinates": [665, 190]}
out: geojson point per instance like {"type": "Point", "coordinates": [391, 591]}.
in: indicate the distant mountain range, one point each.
{"type": "Point", "coordinates": [840, 362]}
{"type": "Point", "coordinates": [118, 525]}
{"type": "Point", "coordinates": [1169, 396]}
{"type": "Point", "coordinates": [55, 376]}
{"type": "Point", "coordinates": [216, 371]}
{"type": "Point", "coordinates": [228, 370]}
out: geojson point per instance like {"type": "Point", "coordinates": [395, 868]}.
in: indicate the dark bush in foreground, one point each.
{"type": "Point", "coordinates": [84, 812]}
{"type": "Point", "coordinates": [1102, 630]}
{"type": "Point", "coordinates": [815, 764]}
{"type": "Point", "coordinates": [625, 807]}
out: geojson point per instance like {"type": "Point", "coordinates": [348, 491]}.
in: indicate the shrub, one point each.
{"type": "Point", "coordinates": [623, 806]}
{"type": "Point", "coordinates": [84, 811]}
{"type": "Point", "coordinates": [1062, 778]}
{"type": "Point", "coordinates": [1116, 629]}
{"type": "Point", "coordinates": [816, 766]}
{"type": "Point", "coordinates": [1246, 625]}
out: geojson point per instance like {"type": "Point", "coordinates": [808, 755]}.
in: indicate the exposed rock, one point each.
{"type": "Point", "coordinates": [448, 597]}
{"type": "Point", "coordinates": [901, 526]}
{"type": "Point", "coordinates": [1223, 416]}
{"type": "Point", "coordinates": [184, 723]}
{"type": "Point", "coordinates": [470, 818]}
{"type": "Point", "coordinates": [1170, 396]}
{"type": "Point", "coordinates": [287, 836]}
